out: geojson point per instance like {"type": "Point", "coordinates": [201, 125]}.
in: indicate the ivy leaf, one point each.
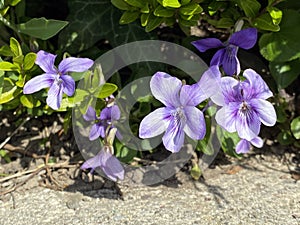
{"type": "Point", "coordinates": [42, 28]}
{"type": "Point", "coordinates": [91, 21]}
{"type": "Point", "coordinates": [283, 45]}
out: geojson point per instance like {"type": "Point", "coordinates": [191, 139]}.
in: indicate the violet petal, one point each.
{"type": "Point", "coordinates": [90, 114]}
{"type": "Point", "coordinates": [39, 82]}
{"type": "Point", "coordinates": [195, 126]}
{"type": "Point", "coordinates": [55, 95]}
{"type": "Point", "coordinates": [73, 64]}
{"type": "Point", "coordinates": [69, 85]}
{"type": "Point", "coordinates": [207, 43]}
{"type": "Point", "coordinates": [230, 62]}
{"type": "Point", "coordinates": [46, 61]}
{"type": "Point", "coordinates": [166, 88]}
{"type": "Point", "coordinates": [245, 38]}
{"type": "Point", "coordinates": [96, 131]}
{"type": "Point", "coordinates": [265, 111]}
{"type": "Point", "coordinates": [257, 142]}
{"type": "Point", "coordinates": [243, 146]}
{"type": "Point", "coordinates": [112, 167]}
{"type": "Point", "coordinates": [173, 139]}
{"type": "Point", "coordinates": [259, 88]}
{"type": "Point", "coordinates": [154, 123]}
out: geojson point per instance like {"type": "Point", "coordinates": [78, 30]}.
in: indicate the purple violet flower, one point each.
{"type": "Point", "coordinates": [56, 79]}
{"type": "Point", "coordinates": [180, 114]}
{"type": "Point", "coordinates": [244, 146]}
{"type": "Point", "coordinates": [244, 107]}
{"type": "Point", "coordinates": [107, 116]}
{"type": "Point", "coordinates": [109, 164]}
{"type": "Point", "coordinates": [227, 56]}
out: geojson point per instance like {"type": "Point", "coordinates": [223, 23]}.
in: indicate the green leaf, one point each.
{"type": "Point", "coordinates": [5, 51]}
{"type": "Point", "coordinates": [29, 61]}
{"type": "Point", "coordinates": [276, 15]}
{"type": "Point", "coordinates": [121, 4]}
{"type": "Point", "coordinates": [9, 95]}
{"type": "Point", "coordinates": [80, 95]}
{"type": "Point", "coordinates": [214, 6]}
{"type": "Point", "coordinates": [145, 9]}
{"type": "Point", "coordinates": [29, 102]}
{"type": "Point", "coordinates": [163, 12]}
{"type": "Point", "coordinates": [145, 19]}
{"type": "Point", "coordinates": [185, 2]}
{"type": "Point", "coordinates": [284, 73]}
{"type": "Point", "coordinates": [153, 23]}
{"type": "Point", "coordinates": [125, 154]}
{"type": "Point", "coordinates": [136, 3]}
{"type": "Point", "coordinates": [295, 127]}
{"type": "Point", "coordinates": [42, 28]}
{"type": "Point", "coordinates": [250, 7]}
{"type": "Point", "coordinates": [191, 9]}
{"type": "Point", "coordinates": [285, 138]}
{"type": "Point", "coordinates": [7, 66]}
{"type": "Point", "coordinates": [5, 156]}
{"type": "Point", "coordinates": [129, 17]}
{"type": "Point", "coordinates": [21, 81]}
{"type": "Point", "coordinates": [283, 45]}
{"type": "Point", "coordinates": [97, 77]}
{"type": "Point", "coordinates": [222, 23]}
{"type": "Point", "coordinates": [170, 3]}
{"type": "Point", "coordinates": [228, 141]}
{"type": "Point", "coordinates": [187, 23]}
{"type": "Point", "coordinates": [79, 75]}
{"type": "Point", "coordinates": [105, 90]}
{"type": "Point", "coordinates": [14, 2]}
{"type": "Point", "coordinates": [94, 20]}
{"type": "Point", "coordinates": [265, 22]}
{"type": "Point", "coordinates": [15, 47]}
{"type": "Point", "coordinates": [2, 73]}
{"type": "Point", "coordinates": [2, 4]}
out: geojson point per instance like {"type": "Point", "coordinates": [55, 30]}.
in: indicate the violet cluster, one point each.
{"type": "Point", "coordinates": [104, 127]}
{"type": "Point", "coordinates": [242, 101]}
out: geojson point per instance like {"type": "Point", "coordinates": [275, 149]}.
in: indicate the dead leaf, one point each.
{"type": "Point", "coordinates": [233, 169]}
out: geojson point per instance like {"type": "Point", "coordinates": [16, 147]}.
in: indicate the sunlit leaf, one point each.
{"type": "Point", "coordinates": [295, 127]}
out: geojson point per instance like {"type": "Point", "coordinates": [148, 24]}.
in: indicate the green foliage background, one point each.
{"type": "Point", "coordinates": [88, 28]}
